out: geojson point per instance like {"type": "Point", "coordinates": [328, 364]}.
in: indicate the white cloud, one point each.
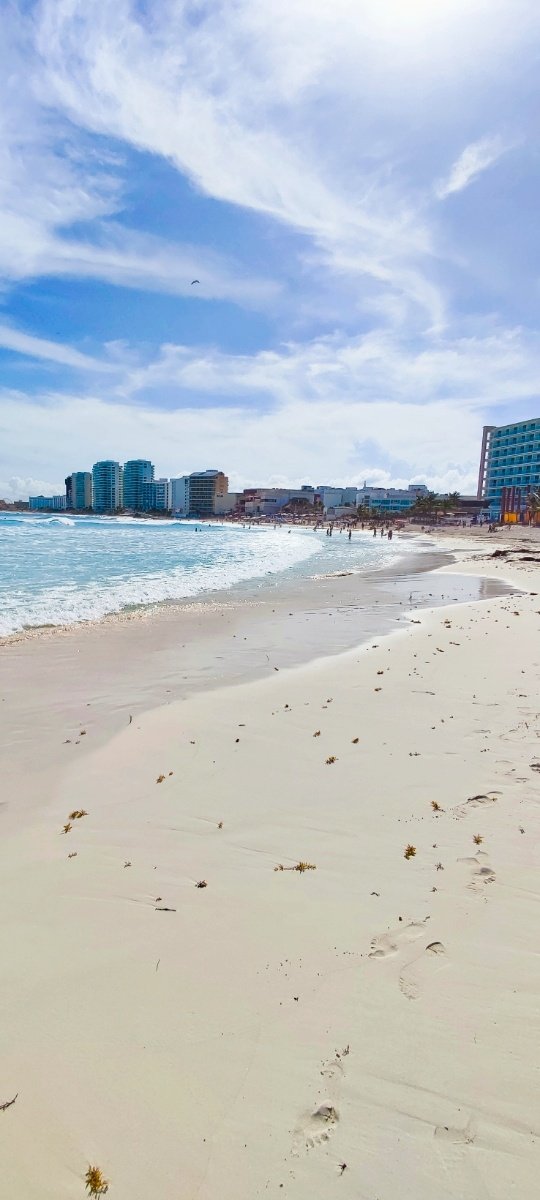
{"type": "Point", "coordinates": [19, 488]}
{"type": "Point", "coordinates": [301, 112]}
{"type": "Point", "coordinates": [41, 348]}
{"type": "Point", "coordinates": [61, 201]}
{"type": "Point", "coordinates": [327, 119]}
{"type": "Point", "coordinates": [473, 160]}
{"type": "Point", "coordinates": [499, 368]}
{"type": "Point", "coordinates": [173, 87]}
{"type": "Point", "coordinates": [336, 409]}
{"type": "Point", "coordinates": [298, 441]}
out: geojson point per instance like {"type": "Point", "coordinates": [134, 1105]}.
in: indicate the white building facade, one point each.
{"type": "Point", "coordinates": [161, 495]}
{"type": "Point", "coordinates": [180, 495]}
{"type": "Point", "coordinates": [47, 503]}
{"type": "Point", "coordinates": [390, 500]}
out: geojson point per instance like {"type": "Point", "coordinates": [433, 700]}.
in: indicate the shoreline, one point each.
{"type": "Point", "coordinates": [245, 594]}
{"type": "Point", "coordinates": [250, 1038]}
{"type": "Point", "coordinates": [98, 676]}
{"type": "Point", "coordinates": [242, 593]}
{"type": "Point", "coordinates": [252, 593]}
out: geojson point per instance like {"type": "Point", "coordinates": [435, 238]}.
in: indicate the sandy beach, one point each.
{"type": "Point", "coordinates": [365, 1028]}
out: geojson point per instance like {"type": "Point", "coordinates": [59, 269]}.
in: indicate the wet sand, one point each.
{"type": "Point", "coordinates": [97, 675]}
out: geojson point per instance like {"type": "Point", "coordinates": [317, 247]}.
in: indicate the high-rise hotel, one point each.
{"type": "Point", "coordinates": [138, 480]}
{"type": "Point", "coordinates": [107, 486]}
{"type": "Point", "coordinates": [509, 465]}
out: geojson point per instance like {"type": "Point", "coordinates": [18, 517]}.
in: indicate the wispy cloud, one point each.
{"type": "Point", "coordinates": [341, 441]}
{"type": "Point", "coordinates": [337, 408]}
{"type": "Point", "coordinates": [56, 352]}
{"type": "Point", "coordinates": [62, 201]}
{"type": "Point", "coordinates": [473, 160]}
{"type": "Point", "coordinates": [173, 87]}
{"type": "Point", "coordinates": [312, 134]}
{"type": "Point", "coordinates": [498, 368]}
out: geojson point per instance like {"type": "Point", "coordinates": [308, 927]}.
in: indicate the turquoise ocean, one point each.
{"type": "Point", "coordinates": [60, 570]}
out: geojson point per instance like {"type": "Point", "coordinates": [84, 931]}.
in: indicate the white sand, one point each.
{"type": "Point", "coordinates": [278, 1025]}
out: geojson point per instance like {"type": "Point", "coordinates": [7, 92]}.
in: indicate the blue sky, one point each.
{"type": "Point", "coordinates": [356, 187]}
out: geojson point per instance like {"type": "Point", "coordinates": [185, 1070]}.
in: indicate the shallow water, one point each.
{"type": "Point", "coordinates": [60, 570]}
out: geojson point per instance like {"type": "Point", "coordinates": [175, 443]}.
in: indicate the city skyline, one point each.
{"type": "Point", "coordinates": [508, 481]}
{"type": "Point", "coordinates": [132, 486]}
{"type": "Point", "coordinates": [352, 187]}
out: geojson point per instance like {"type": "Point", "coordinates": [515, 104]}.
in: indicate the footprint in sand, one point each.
{"type": "Point", "coordinates": [479, 801]}
{"type": "Point", "coordinates": [482, 871]}
{"type": "Point", "coordinates": [454, 1144]}
{"type": "Point", "coordinates": [317, 1126]}
{"type": "Point", "coordinates": [418, 972]}
{"type": "Point", "coordinates": [457, 1137]}
{"type": "Point", "coordinates": [520, 733]}
{"type": "Point", "coordinates": [390, 943]}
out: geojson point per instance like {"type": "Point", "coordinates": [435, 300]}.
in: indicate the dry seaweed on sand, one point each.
{"type": "Point", "coordinates": [299, 866]}
{"type": "Point", "coordinates": [95, 1182]}
{"type": "Point", "coordinates": [410, 851]}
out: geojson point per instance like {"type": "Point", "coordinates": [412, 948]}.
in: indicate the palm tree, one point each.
{"type": "Point", "coordinates": [425, 506]}
{"type": "Point", "coordinates": [533, 507]}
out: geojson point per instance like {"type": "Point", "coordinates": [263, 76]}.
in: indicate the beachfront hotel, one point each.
{"type": "Point", "coordinates": [509, 461]}
{"type": "Point", "coordinates": [107, 486]}
{"type": "Point", "coordinates": [138, 480]}
{"type": "Point", "coordinates": [79, 490]}
{"type": "Point", "coordinates": [47, 503]}
{"type": "Point", "coordinates": [206, 489]}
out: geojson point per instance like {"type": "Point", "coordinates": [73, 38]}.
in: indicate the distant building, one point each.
{"type": "Point", "coordinates": [226, 504]}
{"type": "Point", "coordinates": [161, 495]}
{"type": "Point", "coordinates": [180, 495]}
{"type": "Point", "coordinates": [335, 497]}
{"type": "Point", "coordinates": [47, 503]}
{"type": "Point", "coordinates": [205, 489]}
{"type": "Point", "coordinates": [267, 502]}
{"type": "Point", "coordinates": [107, 486]}
{"type": "Point", "coordinates": [79, 490]}
{"type": "Point", "coordinates": [138, 480]}
{"type": "Point", "coordinates": [509, 459]}
{"type": "Point", "coordinates": [390, 500]}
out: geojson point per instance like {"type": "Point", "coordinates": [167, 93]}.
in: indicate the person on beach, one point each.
{"type": "Point", "coordinates": [389, 535]}
{"type": "Point", "coordinates": [350, 534]}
